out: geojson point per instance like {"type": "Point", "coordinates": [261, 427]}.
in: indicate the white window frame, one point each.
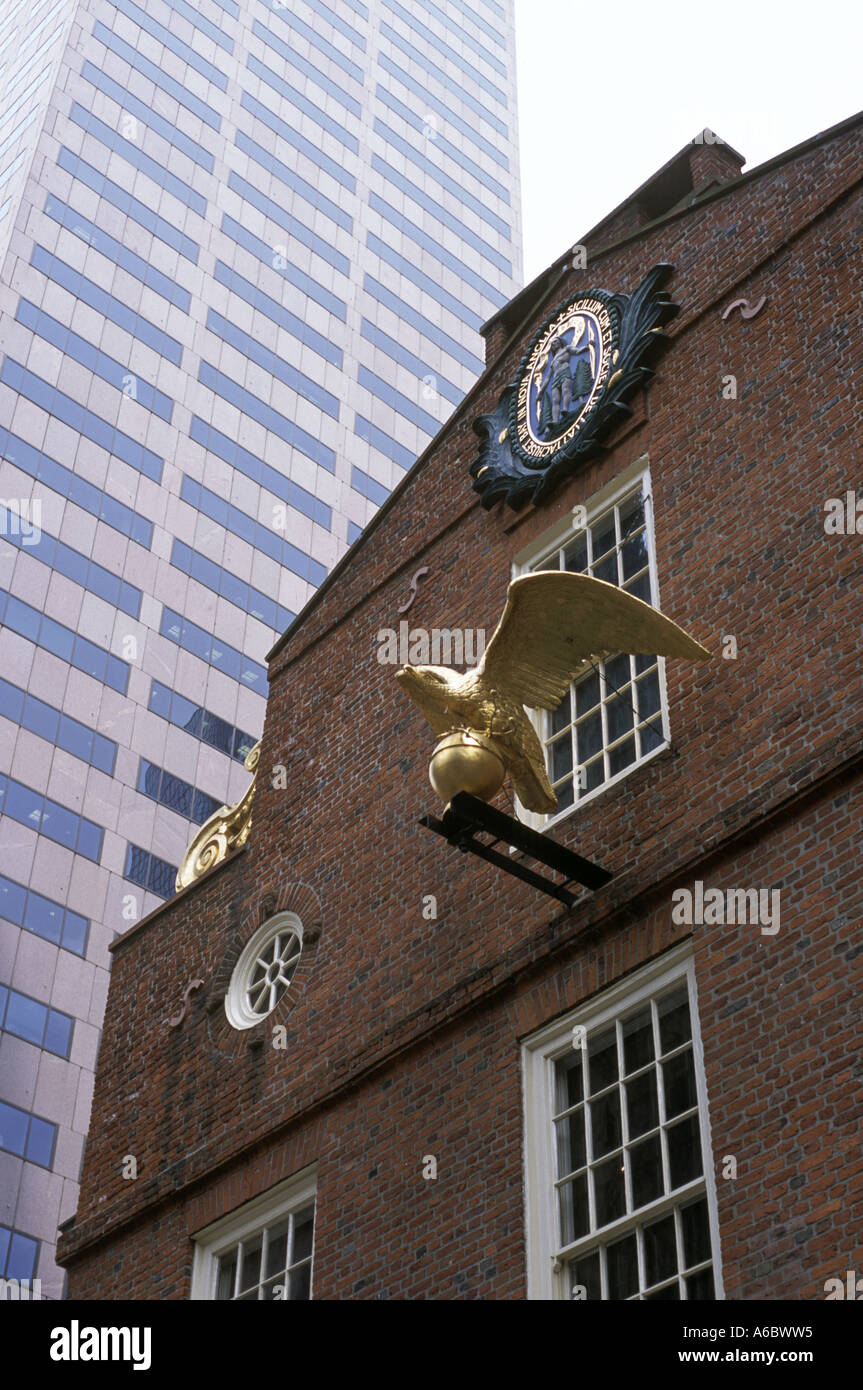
{"type": "Point", "coordinates": [527, 560]}
{"type": "Point", "coordinates": [237, 1009]}
{"type": "Point", "coordinates": [221, 1236]}
{"type": "Point", "coordinates": [546, 1272]}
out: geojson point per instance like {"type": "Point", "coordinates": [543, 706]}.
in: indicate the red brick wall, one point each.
{"type": "Point", "coordinates": [403, 1033]}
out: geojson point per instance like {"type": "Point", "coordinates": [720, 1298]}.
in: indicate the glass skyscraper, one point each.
{"type": "Point", "coordinates": [246, 250]}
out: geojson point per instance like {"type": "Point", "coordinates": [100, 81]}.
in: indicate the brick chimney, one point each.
{"type": "Point", "coordinates": [705, 163]}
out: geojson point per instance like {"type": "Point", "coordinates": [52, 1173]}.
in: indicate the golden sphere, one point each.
{"type": "Point", "coordinates": [466, 762]}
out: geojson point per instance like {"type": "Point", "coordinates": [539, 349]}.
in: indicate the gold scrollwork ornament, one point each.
{"type": "Point", "coordinates": [225, 830]}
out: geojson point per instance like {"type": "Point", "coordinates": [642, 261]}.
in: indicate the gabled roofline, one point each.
{"type": "Point", "coordinates": [561, 265]}
{"type": "Point", "coordinates": [699, 199]}
{"type": "Point", "coordinates": [632, 198]}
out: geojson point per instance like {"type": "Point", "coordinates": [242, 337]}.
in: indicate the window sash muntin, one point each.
{"type": "Point", "coordinates": [624, 1147]}
{"type": "Point", "coordinates": [610, 692]}
{"type": "Point", "coordinates": [293, 1197]}
{"type": "Point", "coordinates": [613, 503]}
{"type": "Point", "coordinates": [626, 1141]}
{"type": "Point", "coordinates": [674, 1206]}
{"type": "Point", "coordinates": [286, 949]}
{"type": "Point", "coordinates": [238, 1249]}
{"type": "Point", "coordinates": [620, 1000]}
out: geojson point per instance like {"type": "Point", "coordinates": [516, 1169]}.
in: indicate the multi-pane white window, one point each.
{"type": "Point", "coordinates": [614, 714]}
{"type": "Point", "coordinates": [263, 1252]}
{"type": "Point", "coordinates": [619, 1177]}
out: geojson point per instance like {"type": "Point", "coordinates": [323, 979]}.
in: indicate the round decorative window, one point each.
{"type": "Point", "coordinates": [264, 970]}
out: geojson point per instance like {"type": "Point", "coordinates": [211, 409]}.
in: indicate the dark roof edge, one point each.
{"type": "Point", "coordinates": [171, 902]}
{"type": "Point", "coordinates": [766, 167]}
{"type": "Point", "coordinates": [370, 526]}
{"type": "Point", "coordinates": [559, 265]}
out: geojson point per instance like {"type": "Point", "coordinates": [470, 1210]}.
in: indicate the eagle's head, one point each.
{"type": "Point", "coordinates": [435, 682]}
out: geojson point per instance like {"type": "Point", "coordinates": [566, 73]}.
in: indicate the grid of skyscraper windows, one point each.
{"type": "Point", "coordinates": [78, 490]}
{"type": "Point", "coordinates": [27, 1135]}
{"type": "Point", "coordinates": [369, 162]}
{"type": "Point", "coordinates": [34, 1022]}
{"type": "Point", "coordinates": [174, 793]}
{"type": "Point", "coordinates": [51, 920]}
{"type": "Point", "coordinates": [18, 1254]}
{"type": "Point", "coordinates": [150, 872]}
{"type": "Point", "coordinates": [48, 817]}
{"type": "Point", "coordinates": [161, 228]}
{"type": "Point", "coordinates": [66, 560]}
{"type": "Point", "coordinates": [107, 305]}
{"type": "Point", "coordinates": [70, 646]}
{"type": "Point", "coordinates": [257, 534]}
{"type": "Point", "coordinates": [252, 601]}
{"type": "Point", "coordinates": [77, 417]}
{"type": "Point", "coordinates": [245, 462]}
{"type": "Point", "coordinates": [384, 443]}
{"type": "Point", "coordinates": [52, 724]}
{"type": "Point", "coordinates": [216, 653]}
{"type": "Point", "coordinates": [157, 76]}
{"type": "Point", "coordinates": [200, 722]}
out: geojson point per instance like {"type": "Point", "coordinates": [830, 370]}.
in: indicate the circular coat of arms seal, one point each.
{"type": "Point", "coordinates": [572, 388]}
{"type": "Point", "coordinates": [561, 380]}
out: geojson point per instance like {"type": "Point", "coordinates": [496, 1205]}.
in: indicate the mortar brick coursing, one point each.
{"type": "Point", "coordinates": [403, 1034]}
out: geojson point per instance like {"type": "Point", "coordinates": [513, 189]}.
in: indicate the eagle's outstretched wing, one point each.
{"type": "Point", "coordinates": [553, 621]}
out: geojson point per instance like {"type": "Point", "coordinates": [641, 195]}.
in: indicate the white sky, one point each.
{"type": "Point", "coordinates": [609, 90]}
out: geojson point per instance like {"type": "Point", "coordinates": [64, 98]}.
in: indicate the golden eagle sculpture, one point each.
{"type": "Point", "coordinates": [553, 623]}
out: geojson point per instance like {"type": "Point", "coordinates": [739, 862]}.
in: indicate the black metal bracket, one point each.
{"type": "Point", "coordinates": [466, 817]}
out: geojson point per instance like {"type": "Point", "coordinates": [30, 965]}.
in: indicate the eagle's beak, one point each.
{"type": "Point", "coordinates": [411, 678]}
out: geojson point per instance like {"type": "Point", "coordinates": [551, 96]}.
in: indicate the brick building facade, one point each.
{"type": "Point", "coordinates": [408, 1080]}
